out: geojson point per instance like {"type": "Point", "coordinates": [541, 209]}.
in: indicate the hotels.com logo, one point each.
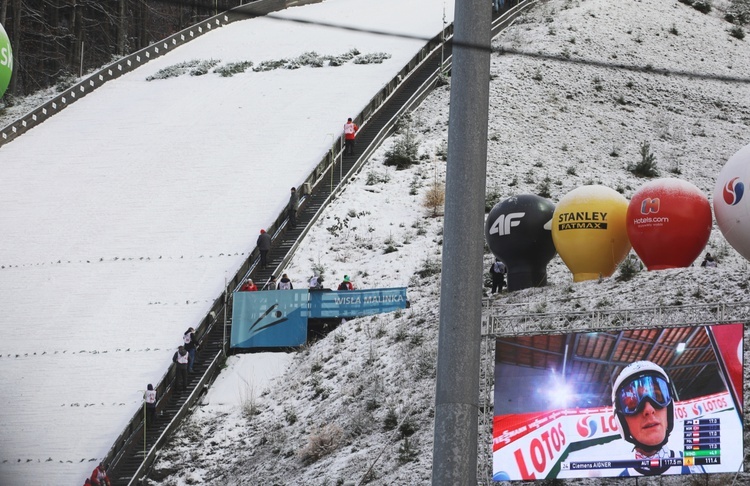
{"type": "Point", "coordinates": [733, 191]}
{"type": "Point", "coordinates": [586, 427]}
{"type": "Point", "coordinates": [649, 205]}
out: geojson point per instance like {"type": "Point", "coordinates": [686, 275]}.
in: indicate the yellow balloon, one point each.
{"type": "Point", "coordinates": [589, 231]}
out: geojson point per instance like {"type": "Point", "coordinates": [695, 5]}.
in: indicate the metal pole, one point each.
{"type": "Point", "coordinates": [80, 70]}
{"type": "Point", "coordinates": [457, 388]}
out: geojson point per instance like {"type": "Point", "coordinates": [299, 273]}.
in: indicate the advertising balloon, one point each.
{"type": "Point", "coordinates": [669, 222]}
{"type": "Point", "coordinates": [731, 204]}
{"type": "Point", "coordinates": [6, 61]}
{"type": "Point", "coordinates": [589, 231]}
{"type": "Point", "coordinates": [517, 232]}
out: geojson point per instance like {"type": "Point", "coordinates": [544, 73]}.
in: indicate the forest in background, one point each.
{"type": "Point", "coordinates": [56, 41]}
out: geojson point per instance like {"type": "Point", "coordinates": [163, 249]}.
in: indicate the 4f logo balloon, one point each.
{"type": "Point", "coordinates": [518, 233]}
{"type": "Point", "coordinates": [505, 222]}
{"type": "Point", "coordinates": [6, 61]}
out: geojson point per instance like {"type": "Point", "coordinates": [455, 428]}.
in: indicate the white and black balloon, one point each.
{"type": "Point", "coordinates": [732, 201]}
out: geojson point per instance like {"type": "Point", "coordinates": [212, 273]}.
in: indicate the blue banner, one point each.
{"type": "Point", "coordinates": [269, 318]}
{"type": "Point", "coordinates": [356, 303]}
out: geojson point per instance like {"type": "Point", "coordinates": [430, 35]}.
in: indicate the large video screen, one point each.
{"type": "Point", "coordinates": [636, 402]}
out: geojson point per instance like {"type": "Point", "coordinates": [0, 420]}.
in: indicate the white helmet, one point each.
{"type": "Point", "coordinates": [660, 399]}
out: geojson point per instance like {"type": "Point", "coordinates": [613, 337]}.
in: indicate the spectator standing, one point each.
{"type": "Point", "coordinates": [346, 284]}
{"type": "Point", "coordinates": [248, 286]}
{"type": "Point", "coordinates": [272, 283]}
{"type": "Point", "coordinates": [285, 283]}
{"type": "Point", "coordinates": [180, 359]}
{"type": "Point", "coordinates": [264, 246]}
{"type": "Point", "coordinates": [291, 208]}
{"type": "Point", "coordinates": [709, 261]}
{"type": "Point", "coordinates": [99, 476]}
{"type": "Point", "coordinates": [350, 131]}
{"type": "Point", "coordinates": [316, 282]}
{"type": "Point", "coordinates": [149, 397]}
{"type": "Point", "coordinates": [497, 272]}
{"type": "Point", "coordinates": [190, 345]}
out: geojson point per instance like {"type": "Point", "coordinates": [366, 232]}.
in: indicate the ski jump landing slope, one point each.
{"type": "Point", "coordinates": [122, 215]}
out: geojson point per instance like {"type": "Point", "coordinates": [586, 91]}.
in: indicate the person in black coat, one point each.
{"type": "Point", "coordinates": [708, 261]}
{"type": "Point", "coordinates": [292, 208]}
{"type": "Point", "coordinates": [264, 246]}
{"type": "Point", "coordinates": [149, 397]}
{"type": "Point", "coordinates": [497, 272]}
{"type": "Point", "coordinates": [285, 283]}
{"type": "Point", "coordinates": [190, 346]}
{"type": "Point", "coordinates": [180, 359]}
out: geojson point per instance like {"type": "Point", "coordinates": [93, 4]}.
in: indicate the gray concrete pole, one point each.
{"type": "Point", "coordinates": [454, 460]}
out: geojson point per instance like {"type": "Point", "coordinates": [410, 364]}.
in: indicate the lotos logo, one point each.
{"type": "Point", "coordinates": [586, 427]}
{"type": "Point", "coordinates": [697, 409]}
{"type": "Point", "coordinates": [649, 205]}
{"type": "Point", "coordinates": [733, 192]}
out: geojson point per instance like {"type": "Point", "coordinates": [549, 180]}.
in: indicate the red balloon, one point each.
{"type": "Point", "coordinates": [669, 222]}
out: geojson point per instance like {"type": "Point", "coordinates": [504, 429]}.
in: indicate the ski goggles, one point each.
{"type": "Point", "coordinates": [631, 395]}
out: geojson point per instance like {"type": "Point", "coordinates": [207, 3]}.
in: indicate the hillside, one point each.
{"type": "Point", "coordinates": [336, 416]}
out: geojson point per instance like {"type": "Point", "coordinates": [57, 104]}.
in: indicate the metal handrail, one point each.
{"type": "Point", "coordinates": [195, 394]}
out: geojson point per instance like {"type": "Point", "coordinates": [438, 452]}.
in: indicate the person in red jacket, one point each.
{"type": "Point", "coordinates": [350, 131]}
{"type": "Point", "coordinates": [248, 286]}
{"type": "Point", "coordinates": [99, 476]}
{"type": "Point", "coordinates": [346, 284]}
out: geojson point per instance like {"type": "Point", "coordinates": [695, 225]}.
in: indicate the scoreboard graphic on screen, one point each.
{"type": "Point", "coordinates": [702, 442]}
